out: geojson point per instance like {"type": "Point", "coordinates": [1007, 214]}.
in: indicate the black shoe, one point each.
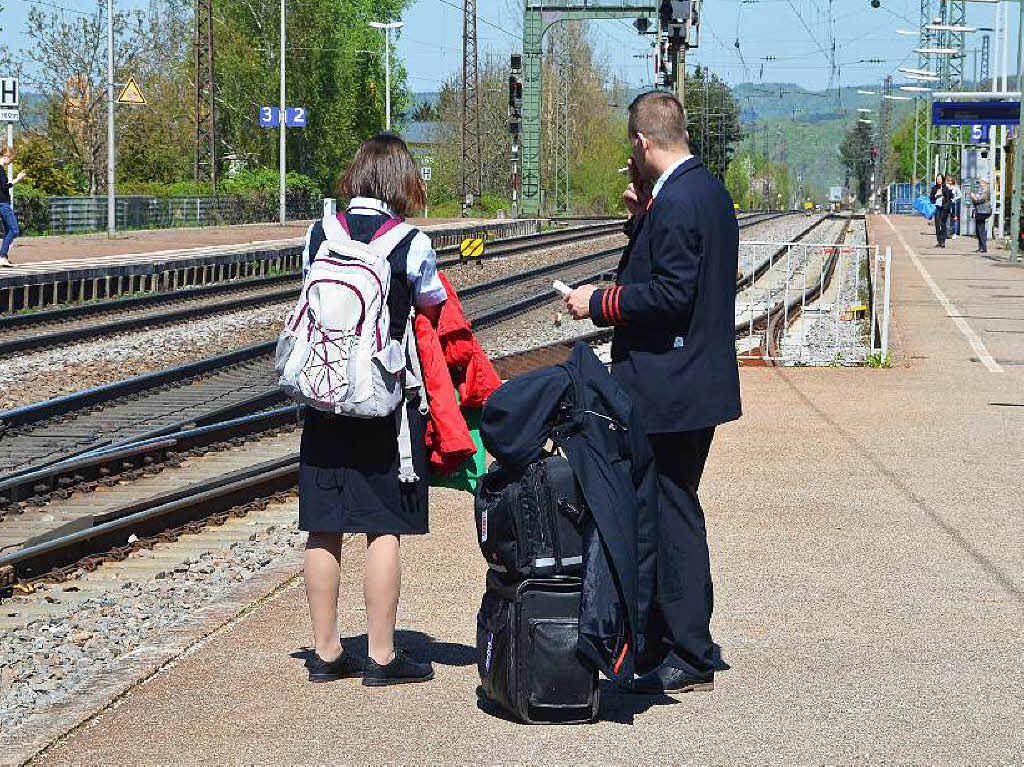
{"type": "Point", "coordinates": [666, 678]}
{"type": "Point", "coordinates": [401, 670]}
{"type": "Point", "coordinates": [345, 666]}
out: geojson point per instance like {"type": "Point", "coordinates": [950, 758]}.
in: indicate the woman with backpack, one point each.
{"type": "Point", "coordinates": [349, 472]}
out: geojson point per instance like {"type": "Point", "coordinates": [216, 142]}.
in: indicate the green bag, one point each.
{"type": "Point", "coordinates": [473, 468]}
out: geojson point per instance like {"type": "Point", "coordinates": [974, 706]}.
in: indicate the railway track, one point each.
{"type": "Point", "coordinates": [760, 303]}
{"type": "Point", "coordinates": [80, 474]}
{"type": "Point", "coordinates": [36, 331]}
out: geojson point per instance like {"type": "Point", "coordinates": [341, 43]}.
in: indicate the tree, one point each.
{"type": "Point", "coordinates": [335, 68]}
{"type": "Point", "coordinates": [425, 111]}
{"type": "Point", "coordinates": [67, 67]}
{"type": "Point", "coordinates": [713, 119]}
{"type": "Point", "coordinates": [901, 158]}
{"type": "Point", "coordinates": [855, 152]}
{"type": "Point", "coordinates": [44, 172]}
{"type": "Point", "coordinates": [597, 131]}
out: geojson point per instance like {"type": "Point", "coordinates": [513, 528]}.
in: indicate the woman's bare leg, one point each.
{"type": "Point", "coordinates": [382, 585]}
{"type": "Point", "coordinates": [323, 579]}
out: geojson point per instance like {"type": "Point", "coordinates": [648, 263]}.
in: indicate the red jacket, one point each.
{"type": "Point", "coordinates": [452, 361]}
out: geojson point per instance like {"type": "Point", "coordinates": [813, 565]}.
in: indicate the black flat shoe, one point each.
{"type": "Point", "coordinates": [345, 666]}
{"type": "Point", "coordinates": [666, 678]}
{"type": "Point", "coordinates": [401, 670]}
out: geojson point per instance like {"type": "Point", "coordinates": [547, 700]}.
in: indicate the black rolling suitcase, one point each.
{"type": "Point", "coordinates": [526, 651]}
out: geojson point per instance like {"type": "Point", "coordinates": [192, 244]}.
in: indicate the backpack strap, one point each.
{"type": "Point", "coordinates": [414, 381]}
{"type": "Point", "coordinates": [390, 235]}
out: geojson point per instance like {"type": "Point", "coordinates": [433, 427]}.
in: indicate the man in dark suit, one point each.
{"type": "Point", "coordinates": [673, 310]}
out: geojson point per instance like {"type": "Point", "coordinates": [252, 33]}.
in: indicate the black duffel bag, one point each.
{"type": "Point", "coordinates": [529, 524]}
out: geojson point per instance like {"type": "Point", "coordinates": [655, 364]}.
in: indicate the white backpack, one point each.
{"type": "Point", "coordinates": [336, 352]}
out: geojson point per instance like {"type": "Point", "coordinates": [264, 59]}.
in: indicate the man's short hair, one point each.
{"type": "Point", "coordinates": [660, 117]}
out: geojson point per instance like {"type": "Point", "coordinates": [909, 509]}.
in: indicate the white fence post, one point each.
{"type": "Point", "coordinates": [885, 306]}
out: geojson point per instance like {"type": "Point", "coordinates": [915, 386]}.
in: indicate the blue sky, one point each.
{"type": "Point", "coordinates": [780, 40]}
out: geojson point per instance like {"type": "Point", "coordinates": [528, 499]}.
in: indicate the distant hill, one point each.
{"type": "Point", "coordinates": [812, 123]}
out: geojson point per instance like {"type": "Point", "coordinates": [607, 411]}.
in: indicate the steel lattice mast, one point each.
{"type": "Point", "coordinates": [472, 172]}
{"type": "Point", "coordinates": [923, 106]}
{"type": "Point", "coordinates": [884, 136]}
{"type": "Point", "coordinates": [562, 61]}
{"type": "Point", "coordinates": [205, 110]}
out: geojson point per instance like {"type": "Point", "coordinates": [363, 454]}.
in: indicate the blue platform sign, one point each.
{"type": "Point", "coordinates": [270, 117]}
{"type": "Point", "coordinates": [979, 133]}
{"type": "Point", "coordinates": [295, 117]}
{"type": "Point", "coordinates": [975, 112]}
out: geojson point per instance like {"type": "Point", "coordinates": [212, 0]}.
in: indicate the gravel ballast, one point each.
{"type": "Point", "coordinates": [53, 657]}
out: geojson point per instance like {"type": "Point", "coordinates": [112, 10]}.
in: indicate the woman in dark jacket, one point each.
{"type": "Point", "coordinates": [348, 467]}
{"type": "Point", "coordinates": [942, 196]}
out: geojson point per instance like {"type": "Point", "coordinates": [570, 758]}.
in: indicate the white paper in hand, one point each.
{"type": "Point", "coordinates": [561, 287]}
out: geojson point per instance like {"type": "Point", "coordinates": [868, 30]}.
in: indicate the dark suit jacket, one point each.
{"type": "Point", "coordinates": [674, 306]}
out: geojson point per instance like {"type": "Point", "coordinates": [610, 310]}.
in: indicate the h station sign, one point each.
{"type": "Point", "coordinates": [9, 100]}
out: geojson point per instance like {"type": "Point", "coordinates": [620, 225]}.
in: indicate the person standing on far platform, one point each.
{"type": "Point", "coordinates": [943, 199]}
{"type": "Point", "coordinates": [674, 311]}
{"type": "Point", "coordinates": [982, 210]}
{"type": "Point", "coordinates": [954, 213]}
{"type": "Point", "coordinates": [10, 220]}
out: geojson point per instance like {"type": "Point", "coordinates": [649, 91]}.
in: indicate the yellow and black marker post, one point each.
{"type": "Point", "coordinates": [471, 247]}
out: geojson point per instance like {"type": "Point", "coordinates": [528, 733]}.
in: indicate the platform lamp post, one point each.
{"type": "Point", "coordinates": [1018, 150]}
{"type": "Point", "coordinates": [387, 65]}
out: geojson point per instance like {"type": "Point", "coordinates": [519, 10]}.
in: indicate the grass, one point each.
{"type": "Point", "coordinates": [878, 360]}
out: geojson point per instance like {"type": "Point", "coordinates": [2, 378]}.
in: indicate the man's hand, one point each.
{"type": "Point", "coordinates": [578, 302]}
{"type": "Point", "coordinates": [637, 193]}
{"type": "Point", "coordinates": [20, 177]}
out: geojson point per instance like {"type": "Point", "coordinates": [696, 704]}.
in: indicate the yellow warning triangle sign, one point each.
{"type": "Point", "coordinates": [131, 94]}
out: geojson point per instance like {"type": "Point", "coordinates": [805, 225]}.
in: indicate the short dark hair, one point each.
{"type": "Point", "coordinates": [660, 117]}
{"type": "Point", "coordinates": [383, 168]}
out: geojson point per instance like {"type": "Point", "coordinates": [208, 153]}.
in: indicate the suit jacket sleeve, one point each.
{"type": "Point", "coordinates": [668, 298]}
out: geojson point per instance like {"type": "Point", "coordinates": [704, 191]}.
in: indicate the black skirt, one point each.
{"type": "Point", "coordinates": [348, 475]}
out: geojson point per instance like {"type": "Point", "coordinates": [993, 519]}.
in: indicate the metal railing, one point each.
{"type": "Point", "coordinates": [815, 305]}
{"type": "Point", "coordinates": [901, 196]}
{"type": "Point", "coordinates": [68, 215]}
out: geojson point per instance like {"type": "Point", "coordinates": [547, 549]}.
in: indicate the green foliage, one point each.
{"type": "Point", "coordinates": [335, 69]}
{"type": "Point", "coordinates": [856, 154]}
{"type": "Point", "coordinates": [756, 184]}
{"type": "Point", "coordinates": [713, 119]}
{"type": "Point", "coordinates": [259, 181]}
{"type": "Point", "coordinates": [425, 112]}
{"type": "Point", "coordinates": [879, 360]}
{"type": "Point", "coordinates": [901, 158]}
{"type": "Point", "coordinates": [43, 172]}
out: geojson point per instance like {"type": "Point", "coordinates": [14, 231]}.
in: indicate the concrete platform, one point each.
{"type": "Point", "coordinates": [866, 536]}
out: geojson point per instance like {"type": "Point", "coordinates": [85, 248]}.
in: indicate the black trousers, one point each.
{"type": "Point", "coordinates": [941, 214]}
{"type": "Point", "coordinates": [685, 598]}
{"type": "Point", "coordinates": [980, 232]}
